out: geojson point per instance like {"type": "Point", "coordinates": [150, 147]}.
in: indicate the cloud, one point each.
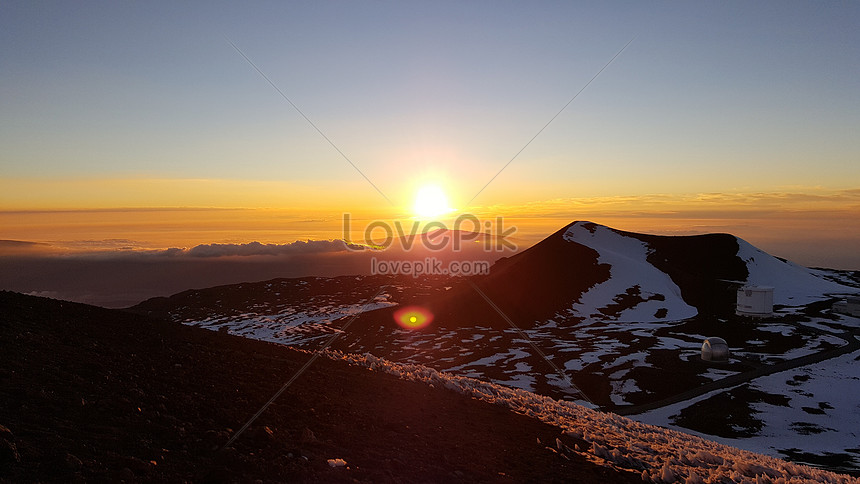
{"type": "Point", "coordinates": [19, 247]}
{"type": "Point", "coordinates": [101, 244]}
{"type": "Point", "coordinates": [257, 249]}
{"type": "Point", "coordinates": [121, 278]}
{"type": "Point", "coordinates": [130, 249]}
{"type": "Point", "coordinates": [18, 244]}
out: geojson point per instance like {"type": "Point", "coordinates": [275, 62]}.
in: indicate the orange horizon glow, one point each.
{"type": "Point", "coordinates": [82, 214]}
{"type": "Point", "coordinates": [816, 234]}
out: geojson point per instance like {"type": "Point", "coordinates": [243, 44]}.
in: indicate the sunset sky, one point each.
{"type": "Point", "coordinates": [139, 125]}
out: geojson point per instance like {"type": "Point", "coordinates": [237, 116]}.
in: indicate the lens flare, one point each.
{"type": "Point", "coordinates": [413, 317]}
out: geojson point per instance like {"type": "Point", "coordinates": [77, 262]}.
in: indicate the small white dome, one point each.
{"type": "Point", "coordinates": [715, 349]}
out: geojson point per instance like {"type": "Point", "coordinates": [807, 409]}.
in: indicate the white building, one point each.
{"type": "Point", "coordinates": [755, 301]}
{"type": "Point", "coordinates": [715, 349]}
{"type": "Point", "coordinates": [850, 306]}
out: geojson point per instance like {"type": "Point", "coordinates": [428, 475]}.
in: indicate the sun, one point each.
{"type": "Point", "coordinates": [430, 201]}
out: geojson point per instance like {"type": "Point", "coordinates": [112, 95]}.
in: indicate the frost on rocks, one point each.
{"type": "Point", "coordinates": [657, 454]}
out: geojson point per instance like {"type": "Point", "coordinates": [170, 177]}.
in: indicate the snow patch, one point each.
{"type": "Point", "coordinates": [639, 288]}
{"type": "Point", "coordinates": [793, 285]}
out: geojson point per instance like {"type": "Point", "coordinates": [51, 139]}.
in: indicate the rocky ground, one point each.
{"type": "Point", "coordinates": [97, 395]}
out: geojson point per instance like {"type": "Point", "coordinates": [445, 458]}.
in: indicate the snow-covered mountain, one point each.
{"type": "Point", "coordinates": [622, 315]}
{"type": "Point", "coordinates": [589, 271]}
{"type": "Point", "coordinates": [793, 284]}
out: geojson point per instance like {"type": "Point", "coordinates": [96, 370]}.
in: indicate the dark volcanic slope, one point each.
{"type": "Point", "coordinates": [549, 277]}
{"type": "Point", "coordinates": [88, 394]}
{"type": "Point", "coordinates": [528, 286]}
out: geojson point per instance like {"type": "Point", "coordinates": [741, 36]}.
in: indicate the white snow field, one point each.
{"type": "Point", "coordinates": [793, 285]}
{"type": "Point", "coordinates": [289, 326]}
{"type": "Point", "coordinates": [821, 416]}
{"type": "Point", "coordinates": [629, 269]}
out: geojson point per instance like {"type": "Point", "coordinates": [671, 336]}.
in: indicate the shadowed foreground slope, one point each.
{"type": "Point", "coordinates": [100, 395]}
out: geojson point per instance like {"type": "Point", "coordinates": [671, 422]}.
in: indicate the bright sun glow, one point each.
{"type": "Point", "coordinates": [431, 202]}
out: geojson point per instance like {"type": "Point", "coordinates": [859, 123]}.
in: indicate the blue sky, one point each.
{"type": "Point", "coordinates": [110, 89]}
{"type": "Point", "coordinates": [109, 104]}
